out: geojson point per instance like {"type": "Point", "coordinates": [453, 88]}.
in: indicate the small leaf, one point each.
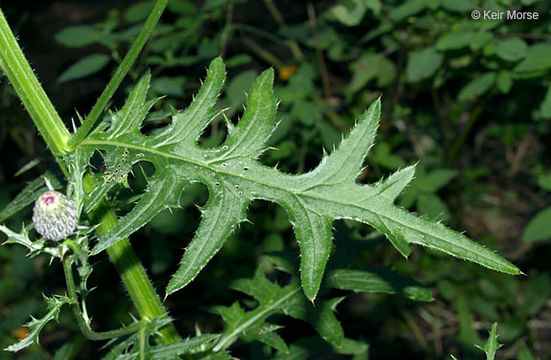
{"type": "Point", "coordinates": [545, 106]}
{"type": "Point", "coordinates": [138, 11]}
{"type": "Point", "coordinates": [477, 87]}
{"type": "Point", "coordinates": [513, 49]}
{"type": "Point", "coordinates": [371, 66]}
{"type": "Point", "coordinates": [407, 9]}
{"type": "Point", "coordinates": [349, 15]}
{"type": "Point", "coordinates": [544, 181]}
{"type": "Point", "coordinates": [274, 299]}
{"type": "Point", "coordinates": [378, 281]}
{"type": "Point", "coordinates": [64, 352]}
{"type": "Point", "coordinates": [78, 36]}
{"type": "Point", "coordinates": [538, 228]}
{"type": "Point", "coordinates": [504, 82]}
{"type": "Point", "coordinates": [422, 64]}
{"type": "Point", "coordinates": [434, 180]}
{"type": "Point", "coordinates": [34, 247]}
{"type": "Point", "coordinates": [458, 40]}
{"type": "Point", "coordinates": [538, 58]}
{"type": "Point", "coordinates": [31, 164]}
{"type": "Point", "coordinates": [270, 338]}
{"type": "Point", "coordinates": [84, 67]}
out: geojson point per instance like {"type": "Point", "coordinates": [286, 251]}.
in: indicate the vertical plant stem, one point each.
{"type": "Point", "coordinates": [133, 274]}
{"type": "Point", "coordinates": [120, 73]}
{"type": "Point", "coordinates": [31, 93]}
{"type": "Point", "coordinates": [56, 136]}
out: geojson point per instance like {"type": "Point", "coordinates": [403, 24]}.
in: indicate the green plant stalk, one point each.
{"type": "Point", "coordinates": [84, 328]}
{"type": "Point", "coordinates": [31, 93]}
{"type": "Point", "coordinates": [56, 136]}
{"type": "Point", "coordinates": [120, 73]}
{"type": "Point", "coordinates": [132, 273]}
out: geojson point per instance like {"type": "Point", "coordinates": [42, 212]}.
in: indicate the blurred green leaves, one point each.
{"type": "Point", "coordinates": [423, 64]}
{"type": "Point", "coordinates": [371, 67]}
{"type": "Point", "coordinates": [512, 49]}
{"type": "Point", "coordinates": [538, 58]}
{"type": "Point", "coordinates": [78, 36]}
{"type": "Point", "coordinates": [86, 66]}
{"type": "Point", "coordinates": [538, 229]}
{"type": "Point", "coordinates": [477, 87]}
{"type": "Point", "coordinates": [422, 192]}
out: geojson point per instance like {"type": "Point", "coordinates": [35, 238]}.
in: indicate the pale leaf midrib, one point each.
{"type": "Point", "coordinates": [228, 338]}
{"type": "Point", "coordinates": [294, 192]}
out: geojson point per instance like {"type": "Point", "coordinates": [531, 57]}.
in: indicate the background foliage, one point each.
{"type": "Point", "coordinates": [470, 99]}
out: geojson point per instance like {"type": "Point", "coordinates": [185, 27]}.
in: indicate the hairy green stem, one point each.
{"type": "Point", "coordinates": [120, 73]}
{"type": "Point", "coordinates": [56, 136]}
{"type": "Point", "coordinates": [124, 259]}
{"type": "Point", "coordinates": [84, 328]}
{"type": "Point", "coordinates": [31, 93]}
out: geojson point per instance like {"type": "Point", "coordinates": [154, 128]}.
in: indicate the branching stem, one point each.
{"type": "Point", "coordinates": [120, 73]}
{"type": "Point", "coordinates": [84, 328]}
{"type": "Point", "coordinates": [57, 138]}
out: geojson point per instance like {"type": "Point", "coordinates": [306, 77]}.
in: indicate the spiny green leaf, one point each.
{"type": "Point", "coordinates": [35, 247]}
{"type": "Point", "coordinates": [129, 347]}
{"type": "Point", "coordinates": [247, 139]}
{"type": "Point", "coordinates": [234, 178]}
{"type": "Point", "coordinates": [36, 325]}
{"type": "Point", "coordinates": [345, 164]}
{"type": "Point", "coordinates": [187, 126]}
{"type": "Point", "coordinates": [130, 118]}
{"type": "Point", "coordinates": [274, 299]}
{"type": "Point", "coordinates": [222, 213]}
{"type": "Point", "coordinates": [162, 192]}
{"type": "Point", "coordinates": [187, 346]}
{"type": "Point", "coordinates": [491, 345]}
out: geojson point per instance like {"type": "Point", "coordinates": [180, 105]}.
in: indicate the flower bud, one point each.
{"type": "Point", "coordinates": [55, 216]}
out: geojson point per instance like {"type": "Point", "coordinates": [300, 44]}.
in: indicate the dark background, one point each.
{"type": "Point", "coordinates": [483, 159]}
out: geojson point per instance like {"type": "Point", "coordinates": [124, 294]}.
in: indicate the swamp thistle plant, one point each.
{"type": "Point", "coordinates": [234, 178]}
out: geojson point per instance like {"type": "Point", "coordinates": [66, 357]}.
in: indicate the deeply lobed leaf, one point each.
{"type": "Point", "coordinates": [234, 178]}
